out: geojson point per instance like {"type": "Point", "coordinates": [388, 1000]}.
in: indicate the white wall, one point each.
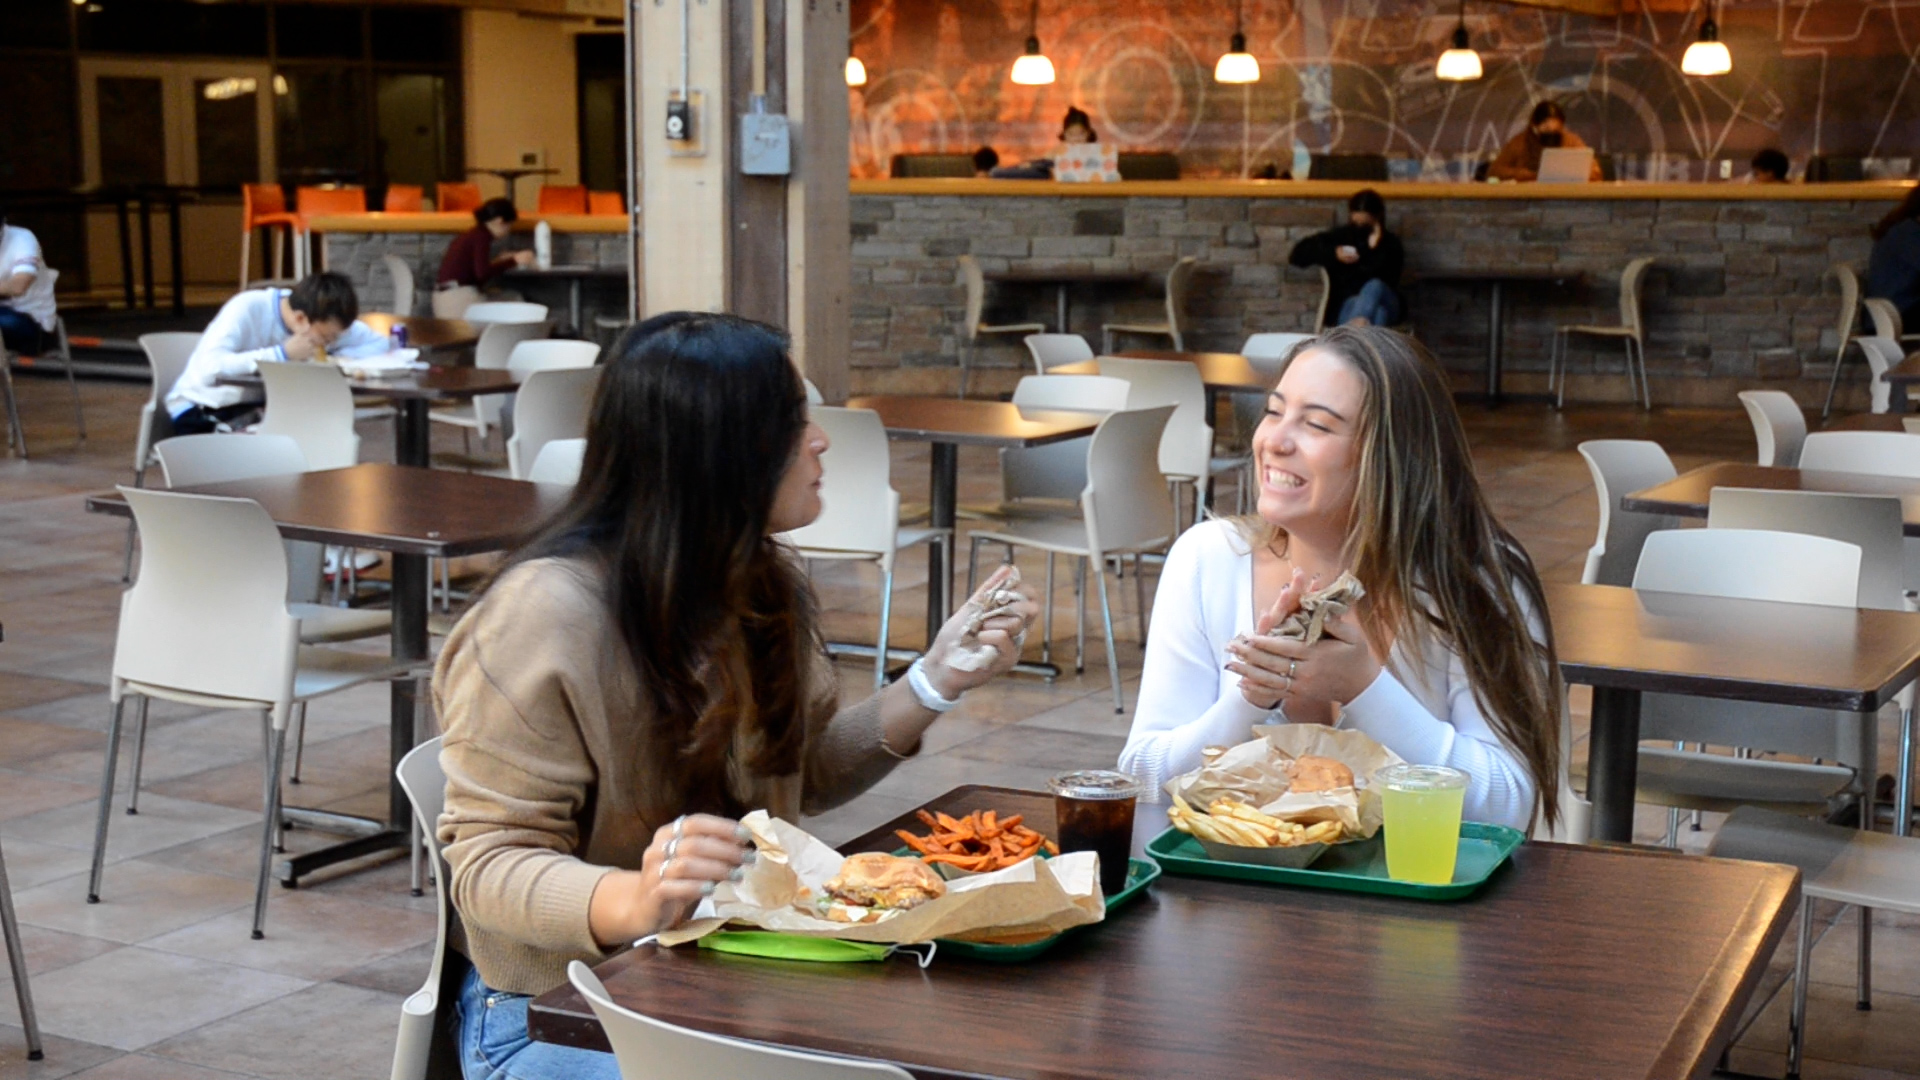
{"type": "Point", "coordinates": [521, 86]}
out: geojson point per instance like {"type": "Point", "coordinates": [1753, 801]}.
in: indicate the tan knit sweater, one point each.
{"type": "Point", "coordinates": [547, 790]}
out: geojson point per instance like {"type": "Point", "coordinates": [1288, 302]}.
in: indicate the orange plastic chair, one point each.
{"type": "Point", "coordinates": [312, 202]}
{"type": "Point", "coordinates": [606, 203]}
{"type": "Point", "coordinates": [453, 198]}
{"type": "Point", "coordinates": [264, 206]}
{"type": "Point", "coordinates": [563, 199]}
{"type": "Point", "coordinates": [405, 199]}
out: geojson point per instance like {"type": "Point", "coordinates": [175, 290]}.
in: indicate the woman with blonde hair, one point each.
{"type": "Point", "coordinates": [1362, 466]}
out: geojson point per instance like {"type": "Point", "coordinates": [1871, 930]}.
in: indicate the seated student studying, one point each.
{"type": "Point", "coordinates": [1362, 466]}
{"type": "Point", "coordinates": [318, 316]}
{"type": "Point", "coordinates": [647, 669]}
{"type": "Point", "coordinates": [1546, 130]}
{"type": "Point", "coordinates": [1363, 262]}
{"type": "Point", "coordinates": [26, 290]}
{"type": "Point", "coordinates": [470, 260]}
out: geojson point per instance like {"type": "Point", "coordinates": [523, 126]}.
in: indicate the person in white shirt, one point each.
{"type": "Point", "coordinates": [319, 314]}
{"type": "Point", "coordinates": [1362, 466]}
{"type": "Point", "coordinates": [26, 290]}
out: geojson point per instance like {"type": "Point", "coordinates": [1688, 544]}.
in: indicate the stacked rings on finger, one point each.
{"type": "Point", "coordinates": [673, 844]}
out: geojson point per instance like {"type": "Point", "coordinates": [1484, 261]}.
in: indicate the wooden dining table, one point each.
{"type": "Point", "coordinates": [1688, 494]}
{"type": "Point", "coordinates": [1220, 373]}
{"type": "Point", "coordinates": [948, 424]}
{"type": "Point", "coordinates": [1898, 378]}
{"type": "Point", "coordinates": [1496, 280]}
{"type": "Point", "coordinates": [1572, 961]}
{"type": "Point", "coordinates": [1624, 642]}
{"type": "Point", "coordinates": [412, 514]}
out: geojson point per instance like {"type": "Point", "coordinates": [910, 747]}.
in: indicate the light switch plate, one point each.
{"type": "Point", "coordinates": [766, 145]}
{"type": "Point", "coordinates": [692, 142]}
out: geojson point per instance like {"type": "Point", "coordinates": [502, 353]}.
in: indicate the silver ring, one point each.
{"type": "Point", "coordinates": [1292, 666]}
{"type": "Point", "coordinates": [679, 826]}
{"type": "Point", "coordinates": [1287, 689]}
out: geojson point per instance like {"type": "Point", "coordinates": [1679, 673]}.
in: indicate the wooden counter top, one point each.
{"type": "Point", "coordinates": [1887, 190]}
{"type": "Point", "coordinates": [461, 221]}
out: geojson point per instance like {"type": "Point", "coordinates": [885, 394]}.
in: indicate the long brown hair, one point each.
{"type": "Point", "coordinates": [1435, 562]}
{"type": "Point", "coordinates": [696, 420]}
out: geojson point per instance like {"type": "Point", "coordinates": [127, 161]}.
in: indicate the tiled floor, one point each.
{"type": "Point", "coordinates": [160, 980]}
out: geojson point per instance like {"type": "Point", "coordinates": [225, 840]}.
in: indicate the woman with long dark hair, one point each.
{"type": "Point", "coordinates": [1362, 466]}
{"type": "Point", "coordinates": [647, 669]}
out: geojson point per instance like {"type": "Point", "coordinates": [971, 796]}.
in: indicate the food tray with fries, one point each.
{"type": "Point", "coordinates": [1359, 866]}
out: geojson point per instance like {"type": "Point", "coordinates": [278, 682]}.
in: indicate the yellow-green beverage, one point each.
{"type": "Point", "coordinates": [1421, 806]}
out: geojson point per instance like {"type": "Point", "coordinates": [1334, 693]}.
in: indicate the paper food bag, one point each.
{"type": "Point", "coordinates": [1260, 774]}
{"type": "Point", "coordinates": [1309, 622]}
{"type": "Point", "coordinates": [1030, 899]}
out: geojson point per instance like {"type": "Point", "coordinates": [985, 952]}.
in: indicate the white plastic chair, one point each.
{"type": "Point", "coordinates": [814, 396]}
{"type": "Point", "coordinates": [552, 403]}
{"type": "Point", "coordinates": [312, 405]}
{"type": "Point", "coordinates": [1620, 467]}
{"type": "Point", "coordinates": [1326, 300]}
{"type": "Point", "coordinates": [16, 432]}
{"type": "Point", "coordinates": [1779, 427]}
{"type": "Point", "coordinates": [1271, 345]}
{"type": "Point", "coordinates": [1878, 453]}
{"type": "Point", "coordinates": [1849, 866]}
{"type": "Point", "coordinates": [1266, 353]}
{"type": "Point", "coordinates": [1880, 353]}
{"type": "Point", "coordinates": [551, 354]}
{"type": "Point", "coordinates": [1886, 320]}
{"type": "Point", "coordinates": [558, 462]}
{"type": "Point", "coordinates": [860, 518]}
{"type": "Point", "coordinates": [167, 355]}
{"type": "Point", "coordinates": [402, 276]}
{"type": "Point", "coordinates": [492, 352]}
{"type": "Point", "coordinates": [1179, 284]}
{"type": "Point", "coordinates": [453, 303]}
{"type": "Point", "coordinates": [649, 1049]}
{"type": "Point", "coordinates": [425, 783]}
{"type": "Point", "coordinates": [505, 311]}
{"type": "Point", "coordinates": [972, 325]}
{"type": "Point", "coordinates": [1843, 334]}
{"type": "Point", "coordinates": [1125, 510]}
{"type": "Point", "coordinates": [1047, 480]}
{"type": "Point", "coordinates": [1186, 447]}
{"type": "Point", "coordinates": [1631, 333]}
{"type": "Point", "coordinates": [207, 624]}
{"type": "Point", "coordinates": [1053, 350]}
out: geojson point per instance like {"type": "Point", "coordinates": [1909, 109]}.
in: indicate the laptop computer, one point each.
{"type": "Point", "coordinates": [1087, 163]}
{"type": "Point", "coordinates": [1565, 165]}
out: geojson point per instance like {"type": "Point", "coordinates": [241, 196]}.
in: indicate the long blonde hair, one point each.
{"type": "Point", "coordinates": [1435, 562]}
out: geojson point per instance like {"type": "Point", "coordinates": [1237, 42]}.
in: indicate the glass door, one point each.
{"type": "Point", "coordinates": [191, 123]}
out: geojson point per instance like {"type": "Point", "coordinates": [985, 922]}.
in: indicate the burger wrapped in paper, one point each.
{"type": "Point", "coordinates": [870, 885]}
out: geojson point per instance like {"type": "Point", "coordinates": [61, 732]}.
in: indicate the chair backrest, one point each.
{"type": "Point", "coordinates": [167, 354]}
{"type": "Point", "coordinates": [454, 303]}
{"type": "Point", "coordinates": [1633, 282]}
{"type": "Point", "coordinates": [1057, 470]}
{"type": "Point", "coordinates": [1077, 393]}
{"type": "Point", "coordinates": [606, 204]}
{"type": "Point", "coordinates": [1849, 302]}
{"type": "Point", "coordinates": [1751, 564]}
{"type": "Point", "coordinates": [563, 199]}
{"type": "Point", "coordinates": [1186, 446]}
{"type": "Point", "coordinates": [405, 199]}
{"type": "Point", "coordinates": [208, 612]}
{"type": "Point", "coordinates": [1326, 298]}
{"type": "Point", "coordinates": [493, 351]}
{"type": "Point", "coordinates": [505, 311]}
{"type": "Point", "coordinates": [926, 165]}
{"type": "Point", "coordinates": [1621, 466]}
{"type": "Point", "coordinates": [860, 509]}
{"type": "Point", "coordinates": [551, 404]}
{"type": "Point", "coordinates": [1150, 165]}
{"type": "Point", "coordinates": [976, 282]}
{"type": "Point", "coordinates": [1127, 504]}
{"type": "Point", "coordinates": [1884, 316]}
{"type": "Point", "coordinates": [192, 460]}
{"type": "Point", "coordinates": [312, 405]}
{"type": "Point", "coordinates": [1878, 453]}
{"type": "Point", "coordinates": [814, 396]}
{"type": "Point", "coordinates": [1271, 345]}
{"type": "Point", "coordinates": [257, 200]}
{"type": "Point", "coordinates": [402, 276]}
{"type": "Point", "coordinates": [656, 1050]}
{"type": "Point", "coordinates": [558, 462]}
{"type": "Point", "coordinates": [449, 198]}
{"type": "Point", "coordinates": [1053, 350]}
{"type": "Point", "coordinates": [1779, 427]}
{"type": "Point", "coordinates": [1179, 287]}
{"type": "Point", "coordinates": [331, 200]}
{"type": "Point", "coordinates": [1881, 353]}
{"type": "Point", "coordinates": [1265, 353]}
{"type": "Point", "coordinates": [1873, 523]}
{"type": "Point", "coordinates": [425, 783]}
{"type": "Point", "coordinates": [551, 354]}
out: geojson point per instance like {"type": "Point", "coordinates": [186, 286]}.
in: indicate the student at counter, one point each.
{"type": "Point", "coordinates": [1770, 166]}
{"type": "Point", "coordinates": [1363, 262]}
{"type": "Point", "coordinates": [985, 160]}
{"type": "Point", "coordinates": [1893, 270]}
{"type": "Point", "coordinates": [469, 259]}
{"type": "Point", "coordinates": [1363, 466]}
{"type": "Point", "coordinates": [648, 669]}
{"type": "Point", "coordinates": [1545, 130]}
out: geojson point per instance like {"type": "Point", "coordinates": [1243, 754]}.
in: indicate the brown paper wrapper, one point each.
{"type": "Point", "coordinates": [1031, 899]}
{"type": "Point", "coordinates": [1318, 607]}
{"type": "Point", "coordinates": [1260, 774]}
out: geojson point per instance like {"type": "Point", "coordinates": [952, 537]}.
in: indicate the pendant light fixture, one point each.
{"type": "Point", "coordinates": [1237, 65]}
{"type": "Point", "coordinates": [856, 72]}
{"type": "Point", "coordinates": [1460, 63]}
{"type": "Point", "coordinates": [1033, 68]}
{"type": "Point", "coordinates": [1707, 56]}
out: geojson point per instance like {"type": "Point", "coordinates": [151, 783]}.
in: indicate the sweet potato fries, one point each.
{"type": "Point", "coordinates": [980, 842]}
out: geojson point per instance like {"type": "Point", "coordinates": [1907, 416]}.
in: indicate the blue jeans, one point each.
{"type": "Point", "coordinates": [1376, 302]}
{"type": "Point", "coordinates": [494, 1043]}
{"type": "Point", "coordinates": [20, 332]}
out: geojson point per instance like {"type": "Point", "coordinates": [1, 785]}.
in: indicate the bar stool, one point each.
{"type": "Point", "coordinates": [311, 202]}
{"type": "Point", "coordinates": [970, 331]}
{"type": "Point", "coordinates": [455, 198]}
{"type": "Point", "coordinates": [405, 199]}
{"type": "Point", "coordinates": [563, 199]}
{"type": "Point", "coordinates": [264, 206]}
{"type": "Point", "coordinates": [606, 204]}
{"type": "Point", "coordinates": [1178, 280]}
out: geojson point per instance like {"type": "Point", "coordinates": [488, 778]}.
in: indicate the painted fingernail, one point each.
{"type": "Point", "coordinates": [738, 873]}
{"type": "Point", "coordinates": [750, 857]}
{"type": "Point", "coordinates": [743, 833]}
{"type": "Point", "coordinates": [706, 888]}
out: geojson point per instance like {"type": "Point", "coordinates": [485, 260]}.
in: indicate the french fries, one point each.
{"type": "Point", "coordinates": [1229, 821]}
{"type": "Point", "coordinates": [980, 842]}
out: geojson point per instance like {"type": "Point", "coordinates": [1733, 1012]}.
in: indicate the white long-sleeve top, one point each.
{"type": "Point", "coordinates": [1420, 707]}
{"type": "Point", "coordinates": [245, 333]}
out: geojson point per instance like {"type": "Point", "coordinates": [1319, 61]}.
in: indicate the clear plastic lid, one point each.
{"type": "Point", "coordinates": [1095, 785]}
{"type": "Point", "coordinates": [1405, 777]}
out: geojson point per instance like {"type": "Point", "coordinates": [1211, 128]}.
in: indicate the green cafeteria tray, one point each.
{"type": "Point", "coordinates": [1140, 874]}
{"type": "Point", "coordinates": [1357, 867]}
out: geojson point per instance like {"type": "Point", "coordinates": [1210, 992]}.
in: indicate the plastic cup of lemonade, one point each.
{"type": "Point", "coordinates": [1421, 806]}
{"type": "Point", "coordinates": [1093, 809]}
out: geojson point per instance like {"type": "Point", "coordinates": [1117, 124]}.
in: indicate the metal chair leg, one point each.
{"type": "Point", "coordinates": [106, 803]}
{"type": "Point", "coordinates": [1079, 615]}
{"type": "Point", "coordinates": [139, 754]}
{"type": "Point", "coordinates": [886, 616]}
{"type": "Point", "coordinates": [1833, 384]}
{"type": "Point", "coordinates": [17, 962]}
{"type": "Point", "coordinates": [1106, 620]}
{"type": "Point", "coordinates": [1140, 597]}
{"type": "Point", "coordinates": [1802, 973]}
{"type": "Point", "coordinates": [973, 564]}
{"type": "Point", "coordinates": [299, 740]}
{"type": "Point", "coordinates": [414, 850]}
{"type": "Point", "coordinates": [66, 354]}
{"type": "Point", "coordinates": [16, 435]}
{"type": "Point", "coordinates": [269, 832]}
{"type": "Point", "coordinates": [1046, 619]}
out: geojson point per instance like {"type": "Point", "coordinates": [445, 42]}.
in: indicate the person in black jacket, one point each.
{"type": "Point", "coordinates": [1363, 261]}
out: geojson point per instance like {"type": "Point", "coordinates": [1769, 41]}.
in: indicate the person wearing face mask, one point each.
{"type": "Point", "coordinates": [1363, 263]}
{"type": "Point", "coordinates": [647, 669]}
{"type": "Point", "coordinates": [320, 314]}
{"type": "Point", "coordinates": [1362, 466]}
{"type": "Point", "coordinates": [1546, 130]}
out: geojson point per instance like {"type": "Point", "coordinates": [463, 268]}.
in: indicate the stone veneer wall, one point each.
{"type": "Point", "coordinates": [1740, 295]}
{"type": "Point", "coordinates": [359, 256]}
